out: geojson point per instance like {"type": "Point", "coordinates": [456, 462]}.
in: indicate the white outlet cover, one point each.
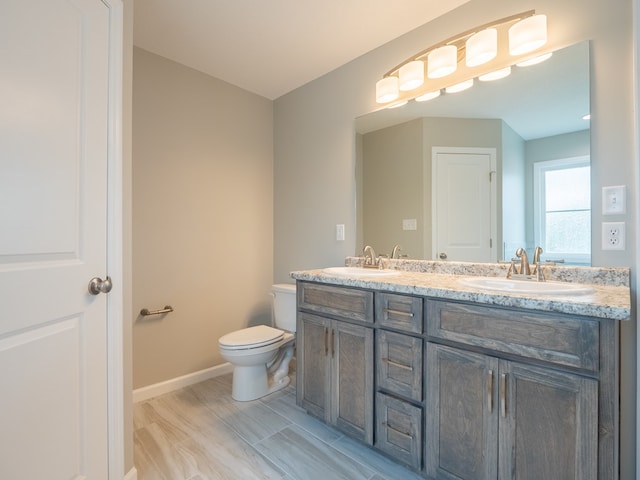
{"type": "Point", "coordinates": [613, 235]}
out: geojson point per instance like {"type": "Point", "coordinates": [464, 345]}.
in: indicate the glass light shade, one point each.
{"type": "Point", "coordinates": [482, 47]}
{"type": "Point", "coordinates": [411, 75]}
{"type": "Point", "coordinates": [496, 75]}
{"type": "Point", "coordinates": [535, 60]}
{"type": "Point", "coordinates": [387, 89]}
{"type": "Point", "coordinates": [527, 35]}
{"type": "Point", "coordinates": [460, 87]}
{"type": "Point", "coordinates": [428, 96]}
{"type": "Point", "coordinates": [442, 61]}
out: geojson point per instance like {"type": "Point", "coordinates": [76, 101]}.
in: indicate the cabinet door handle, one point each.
{"type": "Point", "coordinates": [490, 390]}
{"type": "Point", "coordinates": [396, 364]}
{"type": "Point", "coordinates": [398, 312]}
{"type": "Point", "coordinates": [326, 341]}
{"type": "Point", "coordinates": [503, 394]}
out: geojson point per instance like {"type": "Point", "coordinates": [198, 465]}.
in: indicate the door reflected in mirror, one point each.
{"type": "Point", "coordinates": [532, 118]}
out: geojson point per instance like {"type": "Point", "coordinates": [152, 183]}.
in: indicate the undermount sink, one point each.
{"type": "Point", "coordinates": [507, 285]}
{"type": "Point", "coordinates": [360, 272]}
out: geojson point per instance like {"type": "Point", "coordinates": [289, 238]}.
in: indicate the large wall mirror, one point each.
{"type": "Point", "coordinates": [418, 185]}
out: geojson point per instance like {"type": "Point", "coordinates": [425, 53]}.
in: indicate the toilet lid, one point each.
{"type": "Point", "coordinates": [254, 337]}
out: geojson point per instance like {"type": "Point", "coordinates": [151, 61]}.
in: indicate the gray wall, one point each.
{"type": "Point", "coordinates": [315, 144]}
{"type": "Point", "coordinates": [202, 215]}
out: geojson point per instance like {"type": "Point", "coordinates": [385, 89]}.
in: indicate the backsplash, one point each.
{"type": "Point", "coordinates": [612, 276]}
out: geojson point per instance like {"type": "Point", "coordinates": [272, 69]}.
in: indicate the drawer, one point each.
{"type": "Point", "coordinates": [399, 364]}
{"type": "Point", "coordinates": [399, 430]}
{"type": "Point", "coordinates": [401, 312]}
{"type": "Point", "coordinates": [341, 302]}
{"type": "Point", "coordinates": [556, 338]}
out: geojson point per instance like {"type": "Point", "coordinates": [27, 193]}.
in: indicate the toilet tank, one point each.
{"type": "Point", "coordinates": [284, 306]}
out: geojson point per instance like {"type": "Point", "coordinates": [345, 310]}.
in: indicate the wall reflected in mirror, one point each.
{"type": "Point", "coordinates": [531, 119]}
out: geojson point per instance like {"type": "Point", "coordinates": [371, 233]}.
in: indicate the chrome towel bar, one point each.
{"type": "Point", "coordinates": [145, 312]}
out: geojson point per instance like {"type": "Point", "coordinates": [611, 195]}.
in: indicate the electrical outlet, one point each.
{"type": "Point", "coordinates": [613, 236]}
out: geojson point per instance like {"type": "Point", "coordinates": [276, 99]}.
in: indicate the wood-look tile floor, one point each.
{"type": "Point", "coordinates": [201, 433]}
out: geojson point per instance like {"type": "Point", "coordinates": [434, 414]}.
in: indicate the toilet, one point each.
{"type": "Point", "coordinates": [260, 355]}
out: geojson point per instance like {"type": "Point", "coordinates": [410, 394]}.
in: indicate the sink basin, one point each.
{"type": "Point", "coordinates": [498, 284]}
{"type": "Point", "coordinates": [360, 272]}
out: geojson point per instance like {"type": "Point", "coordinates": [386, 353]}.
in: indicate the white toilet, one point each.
{"type": "Point", "coordinates": [260, 355]}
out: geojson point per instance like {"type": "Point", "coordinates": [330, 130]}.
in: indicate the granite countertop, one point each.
{"type": "Point", "coordinates": [611, 298]}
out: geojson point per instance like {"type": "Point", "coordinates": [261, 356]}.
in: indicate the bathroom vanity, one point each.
{"type": "Point", "coordinates": [457, 382]}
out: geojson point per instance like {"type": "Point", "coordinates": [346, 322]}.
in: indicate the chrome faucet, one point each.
{"type": "Point", "coordinates": [371, 260]}
{"type": "Point", "coordinates": [524, 261]}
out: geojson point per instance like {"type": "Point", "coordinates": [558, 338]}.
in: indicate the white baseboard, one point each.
{"type": "Point", "coordinates": [132, 474]}
{"type": "Point", "coordinates": [145, 393]}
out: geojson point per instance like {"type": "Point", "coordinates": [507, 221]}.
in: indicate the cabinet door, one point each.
{"type": "Point", "coordinates": [352, 380]}
{"type": "Point", "coordinates": [461, 415]}
{"type": "Point", "coordinates": [313, 367]}
{"type": "Point", "coordinates": [548, 424]}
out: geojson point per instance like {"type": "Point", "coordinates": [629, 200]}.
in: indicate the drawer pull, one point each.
{"type": "Point", "coordinates": [400, 432]}
{"type": "Point", "coordinates": [503, 394]}
{"type": "Point", "coordinates": [398, 312]}
{"type": "Point", "coordinates": [396, 364]}
{"type": "Point", "coordinates": [490, 390]}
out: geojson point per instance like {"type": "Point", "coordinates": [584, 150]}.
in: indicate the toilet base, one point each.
{"type": "Point", "coordinates": [253, 382]}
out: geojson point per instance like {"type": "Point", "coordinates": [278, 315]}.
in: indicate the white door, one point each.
{"type": "Point", "coordinates": [464, 204]}
{"type": "Point", "coordinates": [53, 233]}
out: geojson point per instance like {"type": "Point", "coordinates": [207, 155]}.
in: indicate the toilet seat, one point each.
{"type": "Point", "coordinates": [252, 337]}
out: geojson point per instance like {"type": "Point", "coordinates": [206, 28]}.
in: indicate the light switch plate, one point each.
{"type": "Point", "coordinates": [614, 200]}
{"type": "Point", "coordinates": [340, 232]}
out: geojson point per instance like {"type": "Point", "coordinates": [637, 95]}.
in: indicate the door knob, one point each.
{"type": "Point", "coordinates": [443, 256]}
{"type": "Point", "coordinates": [97, 285]}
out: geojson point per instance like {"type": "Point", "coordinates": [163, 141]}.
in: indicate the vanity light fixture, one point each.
{"type": "Point", "coordinates": [482, 47]}
{"type": "Point", "coordinates": [528, 35]}
{"type": "Point", "coordinates": [411, 75]}
{"type": "Point", "coordinates": [460, 87]}
{"type": "Point", "coordinates": [535, 60]}
{"type": "Point", "coordinates": [495, 75]}
{"type": "Point", "coordinates": [428, 96]}
{"type": "Point", "coordinates": [480, 52]}
{"type": "Point", "coordinates": [387, 90]}
{"type": "Point", "coordinates": [442, 61]}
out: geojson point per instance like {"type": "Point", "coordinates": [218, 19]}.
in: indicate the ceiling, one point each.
{"type": "Point", "coordinates": [271, 47]}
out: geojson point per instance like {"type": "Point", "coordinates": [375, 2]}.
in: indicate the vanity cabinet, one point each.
{"type": "Point", "coordinates": [458, 390]}
{"type": "Point", "coordinates": [335, 357]}
{"type": "Point", "coordinates": [493, 415]}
